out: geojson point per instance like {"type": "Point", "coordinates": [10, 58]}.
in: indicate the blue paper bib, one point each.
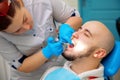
{"type": "Point", "coordinates": [61, 74]}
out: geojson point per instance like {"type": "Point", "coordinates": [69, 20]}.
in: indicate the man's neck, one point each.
{"type": "Point", "coordinates": [82, 65]}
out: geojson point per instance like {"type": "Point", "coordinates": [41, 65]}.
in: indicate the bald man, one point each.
{"type": "Point", "coordinates": [92, 42]}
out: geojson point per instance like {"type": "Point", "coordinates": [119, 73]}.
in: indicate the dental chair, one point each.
{"type": "Point", "coordinates": [112, 62]}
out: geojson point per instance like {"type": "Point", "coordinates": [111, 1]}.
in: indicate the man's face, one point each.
{"type": "Point", "coordinates": [83, 41]}
{"type": "Point", "coordinates": [21, 22]}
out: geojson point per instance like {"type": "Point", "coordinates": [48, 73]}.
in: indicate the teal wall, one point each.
{"type": "Point", "coordinates": [106, 11]}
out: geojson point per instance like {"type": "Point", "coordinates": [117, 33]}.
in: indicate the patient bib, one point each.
{"type": "Point", "coordinates": [61, 74]}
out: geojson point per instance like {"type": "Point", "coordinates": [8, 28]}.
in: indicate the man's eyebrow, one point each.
{"type": "Point", "coordinates": [88, 32]}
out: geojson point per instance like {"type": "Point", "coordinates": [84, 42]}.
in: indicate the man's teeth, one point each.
{"type": "Point", "coordinates": [73, 43]}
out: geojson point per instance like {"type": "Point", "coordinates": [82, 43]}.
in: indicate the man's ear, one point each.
{"type": "Point", "coordinates": [100, 53]}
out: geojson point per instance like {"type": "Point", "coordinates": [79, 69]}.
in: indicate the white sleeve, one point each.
{"type": "Point", "coordinates": [62, 11]}
{"type": "Point", "coordinates": [10, 53]}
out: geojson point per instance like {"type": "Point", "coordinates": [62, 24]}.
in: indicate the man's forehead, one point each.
{"type": "Point", "coordinates": [92, 25]}
{"type": "Point", "coordinates": [94, 29]}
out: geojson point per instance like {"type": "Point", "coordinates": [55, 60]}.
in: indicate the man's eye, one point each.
{"type": "Point", "coordinates": [86, 34]}
{"type": "Point", "coordinates": [80, 28]}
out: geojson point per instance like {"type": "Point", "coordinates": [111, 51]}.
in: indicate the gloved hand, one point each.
{"type": "Point", "coordinates": [65, 33]}
{"type": "Point", "coordinates": [53, 48]}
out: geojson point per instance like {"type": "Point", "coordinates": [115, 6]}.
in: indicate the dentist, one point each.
{"type": "Point", "coordinates": [25, 26]}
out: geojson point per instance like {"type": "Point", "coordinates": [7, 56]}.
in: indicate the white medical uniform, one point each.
{"type": "Point", "coordinates": [13, 47]}
{"type": "Point", "coordinates": [96, 74]}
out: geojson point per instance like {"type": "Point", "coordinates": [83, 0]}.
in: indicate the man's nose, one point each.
{"type": "Point", "coordinates": [75, 35]}
{"type": "Point", "coordinates": [78, 34]}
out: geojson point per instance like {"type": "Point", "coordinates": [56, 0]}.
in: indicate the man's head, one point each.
{"type": "Point", "coordinates": [14, 18]}
{"type": "Point", "coordinates": [93, 39]}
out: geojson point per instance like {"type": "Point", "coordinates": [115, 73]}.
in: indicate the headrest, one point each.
{"type": "Point", "coordinates": [112, 61]}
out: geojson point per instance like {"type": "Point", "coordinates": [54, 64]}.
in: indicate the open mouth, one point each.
{"type": "Point", "coordinates": [71, 45]}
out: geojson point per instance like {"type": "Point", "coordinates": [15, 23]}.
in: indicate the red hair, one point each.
{"type": "Point", "coordinates": [8, 11]}
{"type": "Point", "coordinates": [4, 7]}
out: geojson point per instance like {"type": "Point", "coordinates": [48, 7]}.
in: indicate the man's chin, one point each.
{"type": "Point", "coordinates": [69, 58]}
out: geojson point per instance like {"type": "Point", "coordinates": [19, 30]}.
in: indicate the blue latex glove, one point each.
{"type": "Point", "coordinates": [65, 33]}
{"type": "Point", "coordinates": [53, 48]}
